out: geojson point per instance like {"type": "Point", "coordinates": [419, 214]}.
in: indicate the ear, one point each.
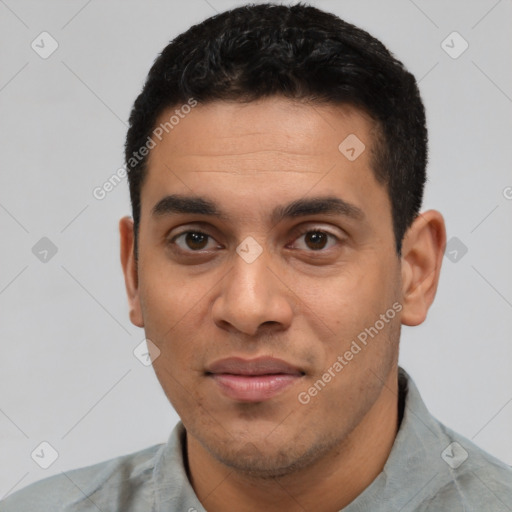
{"type": "Point", "coordinates": [422, 255]}
{"type": "Point", "coordinates": [129, 265]}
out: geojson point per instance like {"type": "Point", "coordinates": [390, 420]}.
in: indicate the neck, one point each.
{"type": "Point", "coordinates": [328, 484]}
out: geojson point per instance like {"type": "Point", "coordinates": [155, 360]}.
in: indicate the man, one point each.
{"type": "Point", "coordinates": [276, 162]}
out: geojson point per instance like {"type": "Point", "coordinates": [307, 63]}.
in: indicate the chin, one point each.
{"type": "Point", "coordinates": [262, 459]}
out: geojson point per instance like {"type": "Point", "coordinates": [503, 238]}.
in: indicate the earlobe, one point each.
{"type": "Point", "coordinates": [422, 254]}
{"type": "Point", "coordinates": [130, 270]}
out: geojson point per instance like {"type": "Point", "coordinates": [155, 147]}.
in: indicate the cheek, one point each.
{"type": "Point", "coordinates": [352, 303]}
{"type": "Point", "coordinates": [177, 365]}
{"type": "Point", "coordinates": [166, 296]}
{"type": "Point", "coordinates": [347, 302]}
{"type": "Point", "coordinates": [168, 313]}
{"type": "Point", "coordinates": [173, 373]}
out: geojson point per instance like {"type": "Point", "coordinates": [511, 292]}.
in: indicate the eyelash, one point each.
{"type": "Point", "coordinates": [300, 234]}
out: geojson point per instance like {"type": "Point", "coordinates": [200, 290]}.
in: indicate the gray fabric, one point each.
{"type": "Point", "coordinates": [424, 472]}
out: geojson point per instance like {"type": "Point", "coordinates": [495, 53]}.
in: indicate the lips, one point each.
{"type": "Point", "coordinates": [253, 380]}
{"type": "Point", "coordinates": [259, 366]}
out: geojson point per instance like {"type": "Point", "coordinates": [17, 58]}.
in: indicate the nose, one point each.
{"type": "Point", "coordinates": [252, 297]}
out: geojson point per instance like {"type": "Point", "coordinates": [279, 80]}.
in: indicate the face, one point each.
{"type": "Point", "coordinates": [273, 298]}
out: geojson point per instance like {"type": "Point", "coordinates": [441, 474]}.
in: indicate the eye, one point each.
{"type": "Point", "coordinates": [317, 239]}
{"type": "Point", "coordinates": [197, 241]}
{"type": "Point", "coordinates": [192, 241]}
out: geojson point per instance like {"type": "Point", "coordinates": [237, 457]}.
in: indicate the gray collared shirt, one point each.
{"type": "Point", "coordinates": [430, 468]}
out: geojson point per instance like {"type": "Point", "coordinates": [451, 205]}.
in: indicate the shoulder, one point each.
{"type": "Point", "coordinates": [472, 478]}
{"type": "Point", "coordinates": [114, 484]}
{"type": "Point", "coordinates": [451, 472]}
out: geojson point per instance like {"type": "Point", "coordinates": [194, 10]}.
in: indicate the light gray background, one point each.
{"type": "Point", "coordinates": [68, 375]}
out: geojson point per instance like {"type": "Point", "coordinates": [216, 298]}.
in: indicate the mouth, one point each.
{"type": "Point", "coordinates": [253, 380]}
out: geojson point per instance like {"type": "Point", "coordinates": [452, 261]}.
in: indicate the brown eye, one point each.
{"type": "Point", "coordinates": [191, 241]}
{"type": "Point", "coordinates": [316, 240]}
{"type": "Point", "coordinates": [196, 240]}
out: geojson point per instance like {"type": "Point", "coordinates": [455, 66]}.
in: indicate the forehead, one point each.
{"type": "Point", "coordinates": [261, 152]}
{"type": "Point", "coordinates": [223, 128]}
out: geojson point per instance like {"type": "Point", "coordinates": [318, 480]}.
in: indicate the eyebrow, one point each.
{"type": "Point", "coordinates": [175, 204]}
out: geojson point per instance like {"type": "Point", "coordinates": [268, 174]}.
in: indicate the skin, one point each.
{"type": "Point", "coordinates": [297, 302]}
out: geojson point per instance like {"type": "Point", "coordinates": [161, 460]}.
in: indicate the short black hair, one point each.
{"type": "Point", "coordinates": [299, 52]}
